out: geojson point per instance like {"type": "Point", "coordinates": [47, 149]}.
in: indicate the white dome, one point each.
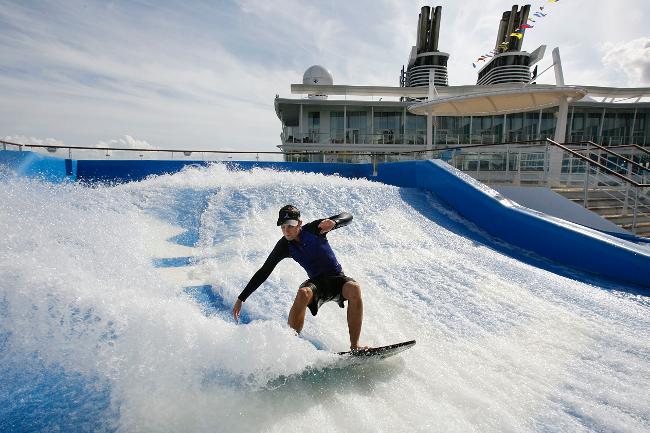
{"type": "Point", "coordinates": [317, 74]}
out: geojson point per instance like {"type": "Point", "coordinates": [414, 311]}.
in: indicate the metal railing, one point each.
{"type": "Point", "coordinates": [630, 191]}
{"type": "Point", "coordinates": [85, 152]}
{"type": "Point", "coordinates": [447, 136]}
{"type": "Point", "coordinates": [599, 172]}
{"type": "Point", "coordinates": [637, 170]}
{"type": "Point", "coordinates": [110, 153]}
{"type": "Point", "coordinates": [612, 140]}
{"type": "Point", "coordinates": [402, 138]}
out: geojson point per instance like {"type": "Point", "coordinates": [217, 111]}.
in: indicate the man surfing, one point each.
{"type": "Point", "coordinates": [307, 244]}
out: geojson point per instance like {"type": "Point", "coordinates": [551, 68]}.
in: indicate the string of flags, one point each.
{"type": "Point", "coordinates": [517, 33]}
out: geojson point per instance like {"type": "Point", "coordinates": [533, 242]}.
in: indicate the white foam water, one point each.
{"type": "Point", "coordinates": [502, 345]}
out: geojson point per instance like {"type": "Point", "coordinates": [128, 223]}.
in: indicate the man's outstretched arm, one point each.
{"type": "Point", "coordinates": [280, 251]}
{"type": "Point", "coordinates": [331, 223]}
{"type": "Point", "coordinates": [341, 220]}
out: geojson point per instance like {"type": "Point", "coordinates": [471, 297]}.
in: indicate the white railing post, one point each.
{"type": "Point", "coordinates": [586, 189]}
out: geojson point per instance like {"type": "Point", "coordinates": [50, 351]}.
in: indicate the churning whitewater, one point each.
{"type": "Point", "coordinates": [115, 316]}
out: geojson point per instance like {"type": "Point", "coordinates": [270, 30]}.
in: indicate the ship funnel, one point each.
{"type": "Point", "coordinates": [428, 29]}
{"type": "Point", "coordinates": [510, 21]}
{"type": "Point", "coordinates": [425, 55]}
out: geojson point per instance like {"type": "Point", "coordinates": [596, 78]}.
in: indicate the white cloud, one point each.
{"type": "Point", "coordinates": [631, 58]}
{"type": "Point", "coordinates": [126, 142]}
{"type": "Point", "coordinates": [21, 139]}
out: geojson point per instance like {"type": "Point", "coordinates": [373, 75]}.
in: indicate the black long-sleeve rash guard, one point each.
{"type": "Point", "coordinates": [312, 252]}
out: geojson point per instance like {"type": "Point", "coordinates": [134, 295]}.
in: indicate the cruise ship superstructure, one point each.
{"type": "Point", "coordinates": [351, 120]}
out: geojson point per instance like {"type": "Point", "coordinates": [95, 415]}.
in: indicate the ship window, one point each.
{"type": "Point", "coordinates": [336, 126]}
{"type": "Point", "coordinates": [313, 121]}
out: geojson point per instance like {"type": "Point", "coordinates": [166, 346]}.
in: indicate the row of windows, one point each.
{"type": "Point", "coordinates": [612, 123]}
{"type": "Point", "coordinates": [582, 124]}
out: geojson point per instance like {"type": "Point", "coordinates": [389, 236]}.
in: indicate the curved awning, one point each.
{"type": "Point", "coordinates": [502, 101]}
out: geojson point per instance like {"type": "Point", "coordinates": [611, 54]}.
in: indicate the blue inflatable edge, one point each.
{"type": "Point", "coordinates": [558, 240]}
{"type": "Point", "coordinates": [555, 239]}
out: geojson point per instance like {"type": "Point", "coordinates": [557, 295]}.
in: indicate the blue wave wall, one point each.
{"type": "Point", "coordinates": [560, 241]}
{"type": "Point", "coordinates": [565, 243]}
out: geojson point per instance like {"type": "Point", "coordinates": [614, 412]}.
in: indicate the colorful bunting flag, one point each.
{"type": "Point", "coordinates": [517, 33]}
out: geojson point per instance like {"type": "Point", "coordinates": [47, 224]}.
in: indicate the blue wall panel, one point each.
{"type": "Point", "coordinates": [404, 174]}
{"type": "Point", "coordinates": [132, 170]}
{"type": "Point", "coordinates": [127, 170]}
{"type": "Point", "coordinates": [329, 168]}
{"type": "Point", "coordinates": [30, 164]}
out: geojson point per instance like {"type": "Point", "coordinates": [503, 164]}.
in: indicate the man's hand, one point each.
{"type": "Point", "coordinates": [236, 309]}
{"type": "Point", "coordinates": [325, 226]}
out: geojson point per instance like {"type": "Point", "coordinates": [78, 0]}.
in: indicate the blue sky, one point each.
{"type": "Point", "coordinates": [203, 75]}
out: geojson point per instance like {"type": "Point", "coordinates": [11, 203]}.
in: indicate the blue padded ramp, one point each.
{"type": "Point", "coordinates": [553, 238]}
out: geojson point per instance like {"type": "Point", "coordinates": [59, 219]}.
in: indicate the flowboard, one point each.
{"type": "Point", "coordinates": [379, 352]}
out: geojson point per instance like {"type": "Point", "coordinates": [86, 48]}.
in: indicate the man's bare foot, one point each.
{"type": "Point", "coordinates": [358, 348]}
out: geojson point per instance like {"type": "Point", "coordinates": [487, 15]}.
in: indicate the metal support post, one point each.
{"type": "Point", "coordinates": [546, 167]}
{"type": "Point", "coordinates": [600, 129]}
{"type": "Point", "coordinates": [636, 204]}
{"type": "Point", "coordinates": [627, 188]}
{"type": "Point", "coordinates": [586, 188]}
{"type": "Point", "coordinates": [631, 141]}
{"type": "Point", "coordinates": [518, 168]}
{"type": "Point", "coordinates": [372, 124]}
{"type": "Point", "coordinates": [345, 124]}
{"type": "Point", "coordinates": [507, 161]}
{"type": "Point", "coordinates": [300, 125]}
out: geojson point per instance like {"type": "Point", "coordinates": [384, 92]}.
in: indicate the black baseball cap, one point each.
{"type": "Point", "coordinates": [289, 214]}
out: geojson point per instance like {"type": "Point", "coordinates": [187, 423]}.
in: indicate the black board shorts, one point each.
{"type": "Point", "coordinates": [326, 289]}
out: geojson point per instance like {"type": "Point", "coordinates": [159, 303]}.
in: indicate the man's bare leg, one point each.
{"type": "Point", "coordinates": [352, 292]}
{"type": "Point", "coordinates": [299, 307]}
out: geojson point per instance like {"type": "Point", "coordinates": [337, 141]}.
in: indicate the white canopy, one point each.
{"type": "Point", "coordinates": [501, 101]}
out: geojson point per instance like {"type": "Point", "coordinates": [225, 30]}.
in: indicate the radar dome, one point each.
{"type": "Point", "coordinates": [317, 74]}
